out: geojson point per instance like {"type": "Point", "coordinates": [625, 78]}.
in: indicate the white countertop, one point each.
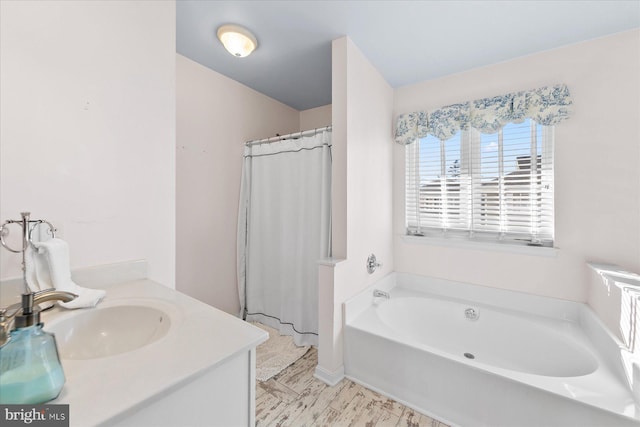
{"type": "Point", "coordinates": [201, 338]}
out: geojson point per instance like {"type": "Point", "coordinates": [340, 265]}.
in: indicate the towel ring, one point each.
{"type": "Point", "coordinates": [4, 231]}
{"type": "Point", "coordinates": [52, 229]}
{"type": "Point", "coordinates": [28, 225]}
{"type": "Point", "coordinates": [31, 225]}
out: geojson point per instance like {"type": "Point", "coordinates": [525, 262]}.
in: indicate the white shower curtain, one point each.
{"type": "Point", "coordinates": [283, 230]}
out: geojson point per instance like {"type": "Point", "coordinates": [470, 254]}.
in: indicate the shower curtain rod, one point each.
{"type": "Point", "coordinates": [291, 135]}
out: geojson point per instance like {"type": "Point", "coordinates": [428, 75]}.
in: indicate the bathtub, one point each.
{"type": "Point", "coordinates": [476, 356]}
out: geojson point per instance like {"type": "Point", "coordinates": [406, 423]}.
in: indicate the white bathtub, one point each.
{"type": "Point", "coordinates": [523, 361]}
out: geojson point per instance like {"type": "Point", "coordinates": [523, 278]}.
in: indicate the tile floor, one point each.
{"type": "Point", "coordinates": [295, 398]}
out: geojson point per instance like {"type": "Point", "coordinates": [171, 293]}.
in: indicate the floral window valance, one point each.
{"type": "Point", "coordinates": [548, 106]}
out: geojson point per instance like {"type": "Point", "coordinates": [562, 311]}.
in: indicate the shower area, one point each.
{"type": "Point", "coordinates": [284, 228]}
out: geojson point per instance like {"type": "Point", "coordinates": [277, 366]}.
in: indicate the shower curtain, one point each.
{"type": "Point", "coordinates": [284, 228]}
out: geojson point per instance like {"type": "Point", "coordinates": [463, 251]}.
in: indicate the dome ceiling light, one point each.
{"type": "Point", "coordinates": [237, 40]}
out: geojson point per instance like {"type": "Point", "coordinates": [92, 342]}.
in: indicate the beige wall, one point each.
{"type": "Point", "coordinates": [597, 162]}
{"type": "Point", "coordinates": [87, 93]}
{"type": "Point", "coordinates": [315, 117]}
{"type": "Point", "coordinates": [362, 176]}
{"type": "Point", "coordinates": [215, 116]}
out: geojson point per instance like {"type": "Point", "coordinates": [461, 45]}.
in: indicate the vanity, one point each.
{"type": "Point", "coordinates": [148, 355]}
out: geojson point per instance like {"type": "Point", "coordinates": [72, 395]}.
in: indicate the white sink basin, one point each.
{"type": "Point", "coordinates": [103, 332]}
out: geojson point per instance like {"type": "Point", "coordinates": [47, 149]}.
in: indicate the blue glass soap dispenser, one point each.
{"type": "Point", "coordinates": [30, 369]}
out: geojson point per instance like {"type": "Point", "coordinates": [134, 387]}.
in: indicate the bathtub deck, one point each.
{"type": "Point", "coordinates": [295, 398]}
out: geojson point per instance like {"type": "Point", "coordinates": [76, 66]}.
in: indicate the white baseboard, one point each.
{"type": "Point", "coordinates": [328, 377]}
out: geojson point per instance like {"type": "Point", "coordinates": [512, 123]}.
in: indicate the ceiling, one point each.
{"type": "Point", "coordinates": [407, 41]}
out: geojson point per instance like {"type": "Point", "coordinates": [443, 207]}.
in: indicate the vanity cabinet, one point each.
{"type": "Point", "coordinates": [221, 396]}
{"type": "Point", "coordinates": [200, 373]}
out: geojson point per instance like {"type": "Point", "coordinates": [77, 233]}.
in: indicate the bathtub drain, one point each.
{"type": "Point", "coordinates": [471, 313]}
{"type": "Point", "coordinates": [469, 356]}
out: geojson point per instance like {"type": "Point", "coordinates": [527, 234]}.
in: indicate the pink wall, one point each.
{"type": "Point", "coordinates": [87, 92]}
{"type": "Point", "coordinates": [315, 117]}
{"type": "Point", "coordinates": [215, 116]}
{"type": "Point", "coordinates": [597, 178]}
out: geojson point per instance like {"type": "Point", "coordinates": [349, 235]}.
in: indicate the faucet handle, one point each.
{"type": "Point", "coordinates": [372, 264]}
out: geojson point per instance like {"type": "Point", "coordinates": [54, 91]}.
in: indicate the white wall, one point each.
{"type": "Point", "coordinates": [215, 116]}
{"type": "Point", "coordinates": [87, 93]}
{"type": "Point", "coordinates": [315, 117]}
{"type": "Point", "coordinates": [597, 162]}
{"type": "Point", "coordinates": [369, 171]}
{"type": "Point", "coordinates": [362, 176]}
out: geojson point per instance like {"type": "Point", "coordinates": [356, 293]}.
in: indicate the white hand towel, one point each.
{"type": "Point", "coordinates": [56, 256]}
{"type": "Point", "coordinates": [35, 266]}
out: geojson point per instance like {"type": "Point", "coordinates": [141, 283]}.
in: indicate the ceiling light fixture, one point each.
{"type": "Point", "coordinates": [237, 40]}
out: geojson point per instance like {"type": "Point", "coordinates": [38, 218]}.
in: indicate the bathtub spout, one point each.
{"type": "Point", "coordinates": [379, 293]}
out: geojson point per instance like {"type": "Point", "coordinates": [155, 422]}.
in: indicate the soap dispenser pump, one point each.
{"type": "Point", "coordinates": [30, 369]}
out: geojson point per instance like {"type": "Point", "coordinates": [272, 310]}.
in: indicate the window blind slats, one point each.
{"type": "Point", "coordinates": [483, 184]}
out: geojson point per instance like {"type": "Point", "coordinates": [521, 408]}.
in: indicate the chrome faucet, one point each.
{"type": "Point", "coordinates": [372, 264]}
{"type": "Point", "coordinates": [379, 293]}
{"type": "Point", "coordinates": [27, 312]}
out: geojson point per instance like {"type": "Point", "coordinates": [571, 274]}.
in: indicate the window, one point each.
{"type": "Point", "coordinates": [483, 186]}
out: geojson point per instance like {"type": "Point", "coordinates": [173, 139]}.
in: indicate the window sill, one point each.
{"type": "Point", "coordinates": [481, 246]}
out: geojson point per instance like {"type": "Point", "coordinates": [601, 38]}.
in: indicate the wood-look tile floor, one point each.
{"type": "Point", "coordinates": [295, 398]}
